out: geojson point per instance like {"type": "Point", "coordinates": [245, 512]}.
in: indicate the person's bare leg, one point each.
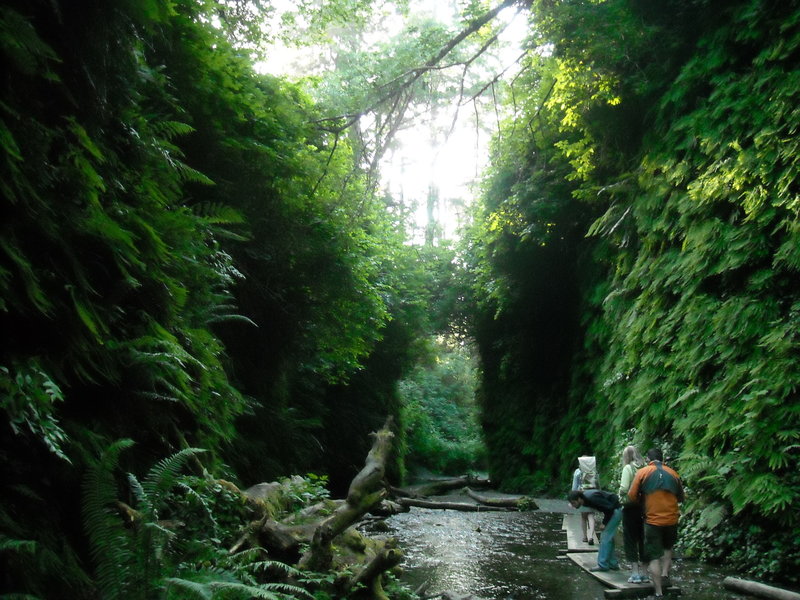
{"type": "Point", "coordinates": [666, 563]}
{"type": "Point", "coordinates": [584, 521]}
{"type": "Point", "coordinates": [590, 528]}
{"type": "Point", "coordinates": [655, 575]}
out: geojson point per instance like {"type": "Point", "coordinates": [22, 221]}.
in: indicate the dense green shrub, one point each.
{"type": "Point", "coordinates": [174, 541]}
{"type": "Point", "coordinates": [440, 416]}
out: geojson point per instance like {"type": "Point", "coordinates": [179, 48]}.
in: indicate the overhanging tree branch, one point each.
{"type": "Point", "coordinates": [412, 76]}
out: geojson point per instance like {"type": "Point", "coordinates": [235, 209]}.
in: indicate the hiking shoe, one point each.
{"type": "Point", "coordinates": [591, 542]}
{"type": "Point", "coordinates": [598, 569]}
{"type": "Point", "coordinates": [635, 579]}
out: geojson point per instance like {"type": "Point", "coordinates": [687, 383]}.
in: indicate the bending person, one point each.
{"type": "Point", "coordinates": [608, 504]}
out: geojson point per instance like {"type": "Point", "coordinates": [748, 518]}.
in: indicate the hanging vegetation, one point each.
{"type": "Point", "coordinates": [636, 261]}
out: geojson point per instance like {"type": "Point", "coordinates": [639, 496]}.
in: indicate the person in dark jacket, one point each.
{"type": "Point", "coordinates": [608, 504]}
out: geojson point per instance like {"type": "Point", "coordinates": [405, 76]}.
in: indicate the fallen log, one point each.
{"type": "Point", "coordinates": [387, 508]}
{"type": "Point", "coordinates": [282, 540]}
{"type": "Point", "coordinates": [463, 506]}
{"type": "Point", "coordinates": [370, 576]}
{"type": "Point", "coordinates": [323, 537]}
{"type": "Point", "coordinates": [315, 512]}
{"type": "Point", "coordinates": [439, 487]}
{"type": "Point", "coordinates": [366, 490]}
{"type": "Point", "coordinates": [518, 502]}
{"type": "Point", "coordinates": [759, 590]}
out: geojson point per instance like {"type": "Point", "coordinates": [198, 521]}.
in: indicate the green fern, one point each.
{"type": "Point", "coordinates": [35, 294]}
{"type": "Point", "coordinates": [247, 565]}
{"type": "Point", "coordinates": [234, 590]}
{"type": "Point", "coordinates": [164, 475]}
{"type": "Point", "coordinates": [218, 213]}
{"type": "Point", "coordinates": [17, 546]}
{"type": "Point", "coordinates": [28, 53]}
{"type": "Point", "coordinates": [201, 500]}
{"type": "Point", "coordinates": [130, 564]}
{"type": "Point", "coordinates": [110, 545]}
{"type": "Point", "coordinates": [190, 175]}
{"type": "Point", "coordinates": [29, 398]}
{"type": "Point", "coordinates": [268, 591]}
{"type": "Point", "coordinates": [251, 559]}
{"type": "Point", "coordinates": [169, 130]}
{"type": "Point", "coordinates": [37, 557]}
{"type": "Point", "coordinates": [190, 589]}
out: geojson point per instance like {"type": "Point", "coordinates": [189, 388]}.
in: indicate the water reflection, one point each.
{"type": "Point", "coordinates": [511, 556]}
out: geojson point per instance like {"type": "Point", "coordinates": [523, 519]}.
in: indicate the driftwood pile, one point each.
{"type": "Point", "coordinates": [324, 537]}
{"type": "Point", "coordinates": [306, 540]}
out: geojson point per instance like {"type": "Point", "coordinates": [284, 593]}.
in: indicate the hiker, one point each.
{"type": "Point", "coordinates": [661, 489]}
{"type": "Point", "coordinates": [608, 504]}
{"type": "Point", "coordinates": [585, 478]}
{"type": "Point", "coordinates": [632, 517]}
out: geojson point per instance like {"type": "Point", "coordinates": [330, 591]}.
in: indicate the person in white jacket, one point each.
{"type": "Point", "coordinates": [585, 478]}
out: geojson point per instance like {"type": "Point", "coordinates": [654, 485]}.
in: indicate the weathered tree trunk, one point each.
{"type": "Point", "coordinates": [318, 527]}
{"type": "Point", "coordinates": [387, 508]}
{"type": "Point", "coordinates": [366, 490]}
{"type": "Point", "coordinates": [462, 506]}
{"type": "Point", "coordinates": [507, 502]}
{"type": "Point", "coordinates": [758, 589]}
{"type": "Point", "coordinates": [371, 575]}
{"type": "Point", "coordinates": [282, 540]}
{"type": "Point", "coordinates": [437, 488]}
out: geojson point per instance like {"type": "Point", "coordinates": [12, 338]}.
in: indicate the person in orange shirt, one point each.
{"type": "Point", "coordinates": [661, 490]}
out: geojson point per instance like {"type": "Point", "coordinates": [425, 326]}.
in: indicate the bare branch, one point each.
{"type": "Point", "coordinates": [495, 79]}
{"type": "Point", "coordinates": [412, 76]}
{"type": "Point", "coordinates": [327, 164]}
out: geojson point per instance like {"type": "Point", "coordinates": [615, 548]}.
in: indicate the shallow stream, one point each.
{"type": "Point", "coordinates": [513, 556]}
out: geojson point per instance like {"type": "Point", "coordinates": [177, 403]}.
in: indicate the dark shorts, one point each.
{"type": "Point", "coordinates": [657, 539]}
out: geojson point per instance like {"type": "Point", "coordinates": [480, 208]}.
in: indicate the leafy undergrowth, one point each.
{"type": "Point", "coordinates": [743, 544]}
{"type": "Point", "coordinates": [178, 537]}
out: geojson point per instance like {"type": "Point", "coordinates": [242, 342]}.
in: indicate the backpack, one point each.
{"type": "Point", "coordinates": [660, 480]}
{"type": "Point", "coordinates": [588, 467]}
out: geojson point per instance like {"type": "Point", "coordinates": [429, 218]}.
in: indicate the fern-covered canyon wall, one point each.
{"type": "Point", "coordinates": [635, 262]}
{"type": "Point", "coordinates": [187, 260]}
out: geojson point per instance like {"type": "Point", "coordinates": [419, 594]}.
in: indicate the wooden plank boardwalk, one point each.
{"type": "Point", "coordinates": [572, 526]}
{"type": "Point", "coordinates": [585, 556]}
